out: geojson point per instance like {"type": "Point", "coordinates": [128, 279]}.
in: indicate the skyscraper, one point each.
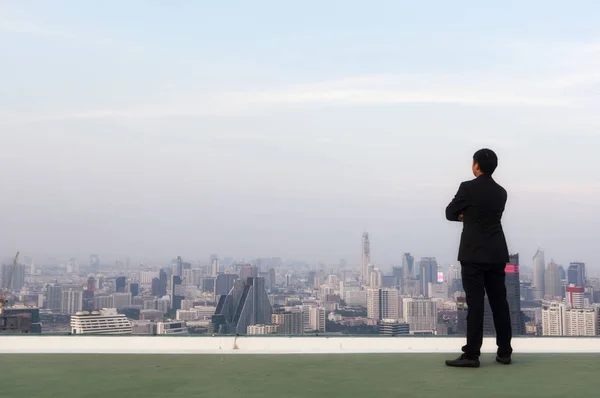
{"type": "Point", "coordinates": [246, 304]}
{"type": "Point", "coordinates": [408, 263]}
{"type": "Point", "coordinates": [429, 267]}
{"type": "Point", "coordinates": [178, 267]}
{"type": "Point", "coordinates": [13, 278]}
{"type": "Point", "coordinates": [214, 260]}
{"type": "Point", "coordinates": [553, 284]}
{"type": "Point", "coordinates": [382, 304]}
{"type": "Point", "coordinates": [177, 293]}
{"type": "Point", "coordinates": [365, 259]}
{"type": "Point", "coordinates": [576, 274]}
{"type": "Point", "coordinates": [120, 284]}
{"type": "Point", "coordinates": [224, 283]}
{"type": "Point", "coordinates": [513, 296]}
{"type": "Point", "coordinates": [539, 268]}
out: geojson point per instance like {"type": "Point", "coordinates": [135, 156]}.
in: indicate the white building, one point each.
{"type": "Point", "coordinates": [171, 328]}
{"type": "Point", "coordinates": [72, 300]}
{"type": "Point", "coordinates": [262, 329]}
{"type": "Point", "coordinates": [382, 303]}
{"type": "Point", "coordinates": [187, 315]}
{"type": "Point", "coordinates": [582, 322]}
{"type": "Point", "coordinates": [554, 320]}
{"type": "Point", "coordinates": [105, 321]}
{"type": "Point", "coordinates": [348, 286]}
{"type": "Point", "coordinates": [420, 314]}
{"type": "Point", "coordinates": [317, 319]}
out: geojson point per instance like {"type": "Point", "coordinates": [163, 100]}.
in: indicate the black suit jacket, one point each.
{"type": "Point", "coordinates": [482, 202]}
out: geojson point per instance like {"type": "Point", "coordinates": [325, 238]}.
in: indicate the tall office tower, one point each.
{"type": "Point", "coordinates": [120, 284]}
{"type": "Point", "coordinates": [317, 319]}
{"type": "Point", "coordinates": [246, 304]}
{"type": "Point", "coordinates": [576, 274]}
{"type": "Point", "coordinates": [214, 262]}
{"type": "Point", "coordinates": [162, 285]}
{"type": "Point", "coordinates": [575, 296]}
{"type": "Point", "coordinates": [224, 283]}
{"type": "Point", "coordinates": [13, 279]}
{"type": "Point", "coordinates": [72, 299]}
{"type": "Point", "coordinates": [91, 284]}
{"type": "Point", "coordinates": [539, 268]}
{"type": "Point", "coordinates": [513, 296]}
{"type": "Point", "coordinates": [382, 304]}
{"type": "Point", "coordinates": [365, 259]}
{"type": "Point", "coordinates": [429, 267]}
{"type": "Point", "coordinates": [553, 284]}
{"type": "Point", "coordinates": [134, 289]}
{"type": "Point", "coordinates": [94, 262]}
{"type": "Point", "coordinates": [554, 319]}
{"type": "Point", "coordinates": [178, 267]}
{"type": "Point", "coordinates": [376, 280]}
{"type": "Point", "coordinates": [272, 283]}
{"type": "Point", "coordinates": [408, 265]}
{"type": "Point", "coordinates": [177, 292]}
{"type": "Point", "coordinates": [54, 298]}
{"type": "Point", "coordinates": [420, 314]}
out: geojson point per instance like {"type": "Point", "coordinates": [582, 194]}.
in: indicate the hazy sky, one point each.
{"type": "Point", "coordinates": [271, 128]}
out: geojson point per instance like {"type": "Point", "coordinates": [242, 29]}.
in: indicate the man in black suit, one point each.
{"type": "Point", "coordinates": [483, 255]}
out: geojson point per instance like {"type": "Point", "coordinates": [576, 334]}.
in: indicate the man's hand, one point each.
{"type": "Point", "coordinates": [460, 217]}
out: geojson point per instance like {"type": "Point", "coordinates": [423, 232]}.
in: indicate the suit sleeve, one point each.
{"type": "Point", "coordinates": [458, 204]}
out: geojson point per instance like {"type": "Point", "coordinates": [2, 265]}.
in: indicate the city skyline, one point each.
{"type": "Point", "coordinates": [134, 129]}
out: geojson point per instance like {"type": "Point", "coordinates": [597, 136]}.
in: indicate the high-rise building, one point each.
{"type": "Point", "coordinates": [582, 322]}
{"type": "Point", "coordinates": [420, 314]}
{"type": "Point", "coordinates": [214, 260]}
{"type": "Point", "coordinates": [54, 298]}
{"type": "Point", "coordinates": [120, 284]}
{"type": "Point", "coordinates": [576, 274]}
{"type": "Point", "coordinates": [94, 262]}
{"type": "Point", "coordinates": [376, 280]}
{"type": "Point", "coordinates": [178, 266]}
{"type": "Point", "coordinates": [13, 279]}
{"type": "Point", "coordinates": [162, 285]}
{"type": "Point", "coordinates": [246, 304]}
{"type": "Point", "coordinates": [289, 322]}
{"type": "Point", "coordinates": [553, 284]}
{"type": "Point", "coordinates": [429, 267]}
{"type": "Point", "coordinates": [382, 303]}
{"type": "Point", "coordinates": [539, 268]}
{"type": "Point", "coordinates": [134, 289]}
{"type": "Point", "coordinates": [177, 292]}
{"type": "Point", "coordinates": [317, 319]}
{"type": "Point", "coordinates": [365, 259]}
{"type": "Point", "coordinates": [513, 296]}
{"type": "Point", "coordinates": [554, 320]}
{"type": "Point", "coordinates": [224, 283]}
{"type": "Point", "coordinates": [72, 299]}
{"type": "Point", "coordinates": [408, 263]}
{"type": "Point", "coordinates": [574, 296]}
{"type": "Point", "coordinates": [121, 300]}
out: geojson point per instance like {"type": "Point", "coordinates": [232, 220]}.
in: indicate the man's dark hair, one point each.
{"type": "Point", "coordinates": [487, 161]}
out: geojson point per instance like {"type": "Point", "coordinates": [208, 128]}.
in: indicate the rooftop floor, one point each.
{"type": "Point", "coordinates": [295, 376]}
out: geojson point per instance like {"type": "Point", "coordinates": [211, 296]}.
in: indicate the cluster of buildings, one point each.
{"type": "Point", "coordinates": [270, 296]}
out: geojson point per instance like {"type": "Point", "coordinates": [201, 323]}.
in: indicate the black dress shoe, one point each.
{"type": "Point", "coordinates": [503, 360]}
{"type": "Point", "coordinates": [464, 362]}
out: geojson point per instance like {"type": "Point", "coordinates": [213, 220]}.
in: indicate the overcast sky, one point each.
{"type": "Point", "coordinates": [268, 128]}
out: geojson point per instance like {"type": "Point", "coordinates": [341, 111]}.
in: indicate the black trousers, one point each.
{"type": "Point", "coordinates": [479, 279]}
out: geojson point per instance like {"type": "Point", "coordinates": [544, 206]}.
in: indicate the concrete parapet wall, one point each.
{"type": "Point", "coordinates": [277, 345]}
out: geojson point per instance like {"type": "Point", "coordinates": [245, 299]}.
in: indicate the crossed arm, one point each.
{"type": "Point", "coordinates": [454, 211]}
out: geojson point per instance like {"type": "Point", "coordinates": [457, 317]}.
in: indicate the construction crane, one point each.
{"type": "Point", "coordinates": [4, 293]}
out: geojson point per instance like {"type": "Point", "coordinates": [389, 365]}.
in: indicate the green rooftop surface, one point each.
{"type": "Point", "coordinates": [294, 376]}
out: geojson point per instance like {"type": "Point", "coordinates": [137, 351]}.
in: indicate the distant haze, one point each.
{"type": "Point", "coordinates": [155, 129]}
